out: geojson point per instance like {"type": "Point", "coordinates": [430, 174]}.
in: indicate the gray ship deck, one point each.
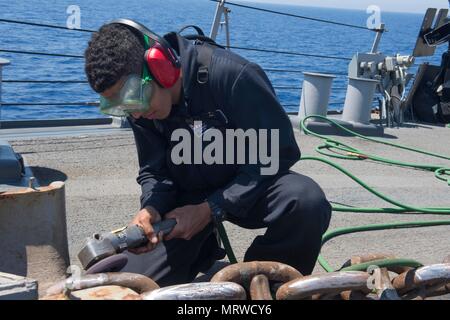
{"type": "Point", "coordinates": [99, 168]}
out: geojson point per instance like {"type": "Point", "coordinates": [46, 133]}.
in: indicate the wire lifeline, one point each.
{"type": "Point", "coordinates": [43, 25]}
{"type": "Point", "coordinates": [91, 31]}
{"type": "Point", "coordinates": [45, 81]}
{"type": "Point", "coordinates": [290, 53]}
{"type": "Point", "coordinates": [297, 16]}
{"type": "Point", "coordinates": [231, 47]}
{"type": "Point", "coordinates": [41, 53]}
{"type": "Point", "coordinates": [303, 71]}
{"type": "Point", "coordinates": [86, 103]}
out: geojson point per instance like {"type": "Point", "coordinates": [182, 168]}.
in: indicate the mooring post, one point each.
{"type": "Point", "coordinates": [358, 100]}
{"type": "Point", "coordinates": [315, 94]}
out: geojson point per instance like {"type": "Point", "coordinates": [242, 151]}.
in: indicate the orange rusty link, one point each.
{"type": "Point", "coordinates": [354, 295]}
{"type": "Point", "coordinates": [244, 272]}
{"type": "Point", "coordinates": [438, 290]}
{"type": "Point", "coordinates": [260, 288]}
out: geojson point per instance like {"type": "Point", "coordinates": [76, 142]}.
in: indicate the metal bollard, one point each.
{"type": "Point", "coordinates": [315, 94]}
{"type": "Point", "coordinates": [3, 62]}
{"type": "Point", "coordinates": [358, 100]}
{"type": "Point", "coordinates": [33, 236]}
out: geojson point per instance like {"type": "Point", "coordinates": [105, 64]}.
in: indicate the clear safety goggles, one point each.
{"type": "Point", "coordinates": [134, 96]}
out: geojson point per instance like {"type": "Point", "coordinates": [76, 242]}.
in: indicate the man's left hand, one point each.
{"type": "Point", "coordinates": [191, 219]}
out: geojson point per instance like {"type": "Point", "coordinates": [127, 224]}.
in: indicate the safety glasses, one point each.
{"type": "Point", "coordinates": [134, 96]}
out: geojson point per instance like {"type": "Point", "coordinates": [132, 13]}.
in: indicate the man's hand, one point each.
{"type": "Point", "coordinates": [145, 218]}
{"type": "Point", "coordinates": [191, 220]}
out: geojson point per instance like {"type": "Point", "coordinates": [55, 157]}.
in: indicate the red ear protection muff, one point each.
{"type": "Point", "coordinates": [161, 59]}
{"type": "Point", "coordinates": [161, 67]}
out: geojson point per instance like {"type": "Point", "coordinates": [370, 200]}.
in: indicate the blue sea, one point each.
{"type": "Point", "coordinates": [248, 28]}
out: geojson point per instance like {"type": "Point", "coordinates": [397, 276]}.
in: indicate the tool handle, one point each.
{"type": "Point", "coordinates": [135, 236]}
{"type": "Point", "coordinates": [166, 226]}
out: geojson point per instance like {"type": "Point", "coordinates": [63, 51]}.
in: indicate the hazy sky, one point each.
{"type": "Point", "coordinates": [418, 6]}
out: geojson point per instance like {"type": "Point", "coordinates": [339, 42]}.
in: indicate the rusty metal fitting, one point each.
{"type": "Point", "coordinates": [358, 259]}
{"type": "Point", "coordinates": [357, 155]}
{"type": "Point", "coordinates": [244, 272]}
{"type": "Point", "coordinates": [198, 291]}
{"type": "Point", "coordinates": [328, 283]}
{"type": "Point", "coordinates": [437, 290]}
{"type": "Point", "coordinates": [260, 288]}
{"type": "Point", "coordinates": [383, 285]}
{"type": "Point", "coordinates": [354, 295]}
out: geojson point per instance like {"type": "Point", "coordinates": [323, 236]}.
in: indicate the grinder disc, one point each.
{"type": "Point", "coordinates": [113, 263]}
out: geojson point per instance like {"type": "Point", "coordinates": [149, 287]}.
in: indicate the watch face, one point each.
{"type": "Point", "coordinates": [217, 213]}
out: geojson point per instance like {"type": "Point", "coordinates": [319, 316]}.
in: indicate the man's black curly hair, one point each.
{"type": "Point", "coordinates": [113, 52]}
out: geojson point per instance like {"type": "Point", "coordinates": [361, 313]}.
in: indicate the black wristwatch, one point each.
{"type": "Point", "coordinates": [217, 213]}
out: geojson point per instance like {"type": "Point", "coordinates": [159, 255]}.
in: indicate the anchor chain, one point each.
{"type": "Point", "coordinates": [268, 280]}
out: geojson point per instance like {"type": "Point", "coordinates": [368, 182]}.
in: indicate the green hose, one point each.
{"type": "Point", "coordinates": [226, 243]}
{"type": "Point", "coordinates": [375, 227]}
{"type": "Point", "coordinates": [441, 172]}
{"type": "Point", "coordinates": [402, 208]}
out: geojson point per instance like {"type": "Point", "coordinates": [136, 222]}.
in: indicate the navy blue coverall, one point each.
{"type": "Point", "coordinates": [291, 206]}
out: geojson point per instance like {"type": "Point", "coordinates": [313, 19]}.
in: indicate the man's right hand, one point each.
{"type": "Point", "coordinates": [145, 218]}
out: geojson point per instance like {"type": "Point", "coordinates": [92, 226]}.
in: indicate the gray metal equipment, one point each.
{"type": "Point", "coordinates": [102, 246]}
{"type": "Point", "coordinates": [315, 94]}
{"type": "Point", "coordinates": [422, 48]}
{"type": "Point", "coordinates": [391, 73]}
{"type": "Point", "coordinates": [358, 100]}
{"type": "Point", "coordinates": [13, 287]}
